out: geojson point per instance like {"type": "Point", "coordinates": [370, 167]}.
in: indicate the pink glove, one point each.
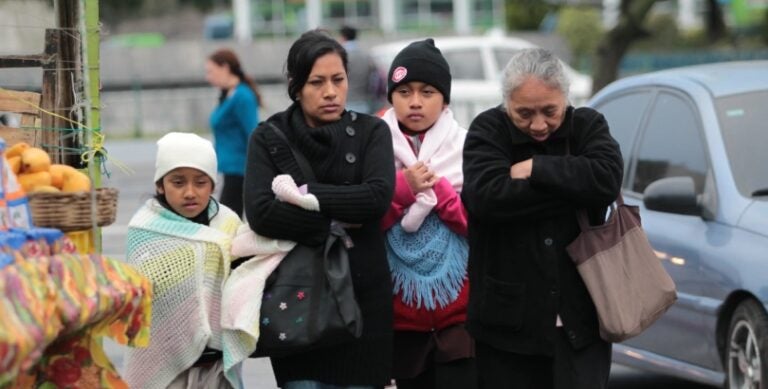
{"type": "Point", "coordinates": [285, 189]}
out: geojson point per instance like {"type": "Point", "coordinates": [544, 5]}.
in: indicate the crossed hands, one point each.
{"type": "Point", "coordinates": [521, 170]}
{"type": "Point", "coordinates": [285, 189]}
{"type": "Point", "coordinates": [420, 177]}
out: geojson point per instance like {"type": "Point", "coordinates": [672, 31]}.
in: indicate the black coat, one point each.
{"type": "Point", "coordinates": [353, 162]}
{"type": "Point", "coordinates": [520, 272]}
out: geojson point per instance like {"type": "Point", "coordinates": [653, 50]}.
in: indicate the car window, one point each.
{"type": "Point", "coordinates": [502, 55]}
{"type": "Point", "coordinates": [623, 114]}
{"type": "Point", "coordinates": [466, 64]}
{"type": "Point", "coordinates": [742, 124]}
{"type": "Point", "coordinates": [671, 144]}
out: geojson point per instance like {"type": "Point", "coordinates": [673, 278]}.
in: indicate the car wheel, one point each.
{"type": "Point", "coordinates": [747, 354]}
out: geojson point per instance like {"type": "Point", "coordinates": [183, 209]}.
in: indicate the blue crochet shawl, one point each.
{"type": "Point", "coordinates": [429, 265]}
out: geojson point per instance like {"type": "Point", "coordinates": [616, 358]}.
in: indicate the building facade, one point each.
{"type": "Point", "coordinates": [289, 17]}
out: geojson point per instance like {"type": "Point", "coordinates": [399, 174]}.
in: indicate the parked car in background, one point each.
{"type": "Point", "coordinates": [476, 65]}
{"type": "Point", "coordinates": [218, 27]}
{"type": "Point", "coordinates": [694, 142]}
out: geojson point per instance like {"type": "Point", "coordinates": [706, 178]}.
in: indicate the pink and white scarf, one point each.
{"type": "Point", "coordinates": [441, 151]}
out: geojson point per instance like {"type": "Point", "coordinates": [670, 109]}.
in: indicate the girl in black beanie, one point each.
{"type": "Point", "coordinates": [426, 226]}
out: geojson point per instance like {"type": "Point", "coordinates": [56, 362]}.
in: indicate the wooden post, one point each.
{"type": "Point", "coordinates": [48, 99]}
{"type": "Point", "coordinates": [22, 61]}
{"type": "Point", "coordinates": [61, 79]}
{"type": "Point", "coordinates": [91, 55]}
{"type": "Point", "coordinates": [69, 79]}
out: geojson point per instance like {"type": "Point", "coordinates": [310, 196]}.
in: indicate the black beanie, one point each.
{"type": "Point", "coordinates": [420, 61]}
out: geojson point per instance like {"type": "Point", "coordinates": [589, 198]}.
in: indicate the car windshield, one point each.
{"type": "Point", "coordinates": [744, 123]}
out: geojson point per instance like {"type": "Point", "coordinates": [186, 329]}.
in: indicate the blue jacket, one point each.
{"type": "Point", "coordinates": [232, 123]}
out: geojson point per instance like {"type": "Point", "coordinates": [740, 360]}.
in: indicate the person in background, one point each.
{"type": "Point", "coordinates": [427, 226]}
{"type": "Point", "coordinates": [232, 121]}
{"type": "Point", "coordinates": [529, 165]}
{"type": "Point", "coordinates": [180, 240]}
{"type": "Point", "coordinates": [351, 155]}
{"type": "Point", "coordinates": [366, 85]}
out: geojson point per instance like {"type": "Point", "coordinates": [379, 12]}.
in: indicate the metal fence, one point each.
{"type": "Point", "coordinates": [635, 63]}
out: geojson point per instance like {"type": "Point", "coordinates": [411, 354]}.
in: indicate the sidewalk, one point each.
{"type": "Point", "coordinates": [257, 373]}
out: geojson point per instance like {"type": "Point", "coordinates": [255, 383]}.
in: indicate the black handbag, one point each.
{"type": "Point", "coordinates": [309, 301]}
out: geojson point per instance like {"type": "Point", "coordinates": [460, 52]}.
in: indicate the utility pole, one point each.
{"type": "Point", "coordinates": [462, 10]}
{"type": "Point", "coordinates": [242, 11]}
{"type": "Point", "coordinates": [387, 16]}
{"type": "Point", "coordinates": [314, 14]}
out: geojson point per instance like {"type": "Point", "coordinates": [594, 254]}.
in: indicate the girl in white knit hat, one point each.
{"type": "Point", "coordinates": [205, 318]}
{"type": "Point", "coordinates": [180, 240]}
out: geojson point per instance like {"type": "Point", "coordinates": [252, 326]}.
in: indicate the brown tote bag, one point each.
{"type": "Point", "coordinates": [628, 284]}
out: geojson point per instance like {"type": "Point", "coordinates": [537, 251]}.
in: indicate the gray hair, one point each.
{"type": "Point", "coordinates": [534, 62]}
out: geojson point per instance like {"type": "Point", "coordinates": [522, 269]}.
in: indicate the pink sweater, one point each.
{"type": "Point", "coordinates": [445, 159]}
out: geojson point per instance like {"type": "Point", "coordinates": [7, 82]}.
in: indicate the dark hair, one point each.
{"type": "Point", "coordinates": [302, 55]}
{"type": "Point", "coordinates": [228, 57]}
{"type": "Point", "coordinates": [348, 32]}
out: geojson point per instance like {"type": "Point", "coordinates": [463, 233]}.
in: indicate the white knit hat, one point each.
{"type": "Point", "coordinates": [184, 149]}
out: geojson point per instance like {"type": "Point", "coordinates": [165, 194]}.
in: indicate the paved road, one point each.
{"type": "Point", "coordinates": [135, 188]}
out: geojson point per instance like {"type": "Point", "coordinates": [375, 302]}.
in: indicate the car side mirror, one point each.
{"type": "Point", "coordinates": [672, 195]}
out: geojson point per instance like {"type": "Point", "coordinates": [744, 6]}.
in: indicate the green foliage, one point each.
{"type": "Point", "coordinates": [764, 27]}
{"type": "Point", "coordinates": [582, 28]}
{"type": "Point", "coordinates": [664, 35]}
{"type": "Point", "coordinates": [663, 28]}
{"type": "Point", "coordinates": [205, 5]}
{"type": "Point", "coordinates": [526, 14]}
{"type": "Point", "coordinates": [116, 10]}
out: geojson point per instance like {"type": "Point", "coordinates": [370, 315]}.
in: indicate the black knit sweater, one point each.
{"type": "Point", "coordinates": [521, 274]}
{"type": "Point", "coordinates": [353, 162]}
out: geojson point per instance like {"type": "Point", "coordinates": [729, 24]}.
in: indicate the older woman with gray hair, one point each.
{"type": "Point", "coordinates": [529, 165]}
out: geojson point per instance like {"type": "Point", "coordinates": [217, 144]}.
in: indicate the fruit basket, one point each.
{"type": "Point", "coordinates": [74, 211]}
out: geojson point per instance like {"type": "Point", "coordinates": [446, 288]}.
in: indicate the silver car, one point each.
{"type": "Point", "coordinates": [694, 141]}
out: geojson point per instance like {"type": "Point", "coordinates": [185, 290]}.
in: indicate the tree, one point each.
{"type": "Point", "coordinates": [113, 11]}
{"type": "Point", "coordinates": [581, 28]}
{"type": "Point", "coordinates": [631, 27]}
{"type": "Point", "coordinates": [715, 22]}
{"type": "Point", "coordinates": [765, 27]}
{"type": "Point", "coordinates": [615, 43]}
{"type": "Point", "coordinates": [525, 14]}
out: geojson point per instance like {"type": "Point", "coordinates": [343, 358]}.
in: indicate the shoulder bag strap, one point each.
{"type": "Point", "coordinates": [304, 165]}
{"type": "Point", "coordinates": [581, 214]}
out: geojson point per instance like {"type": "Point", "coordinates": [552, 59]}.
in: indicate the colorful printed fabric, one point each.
{"type": "Point", "coordinates": [74, 362]}
{"type": "Point", "coordinates": [29, 320]}
{"type": "Point", "coordinates": [54, 311]}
